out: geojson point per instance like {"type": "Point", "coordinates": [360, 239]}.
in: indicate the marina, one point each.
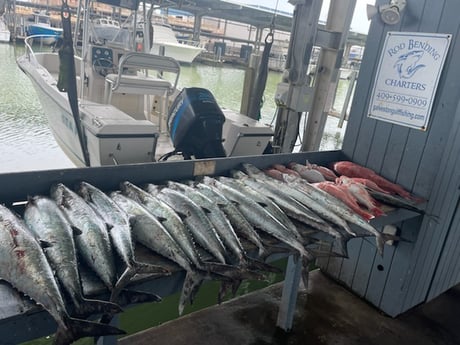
{"type": "Point", "coordinates": [373, 208]}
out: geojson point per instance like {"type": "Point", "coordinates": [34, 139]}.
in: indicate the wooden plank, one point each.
{"type": "Point", "coordinates": [396, 280]}
{"type": "Point", "coordinates": [364, 267]}
{"type": "Point", "coordinates": [379, 274]}
{"type": "Point", "coordinates": [449, 266]}
{"type": "Point", "coordinates": [347, 271]}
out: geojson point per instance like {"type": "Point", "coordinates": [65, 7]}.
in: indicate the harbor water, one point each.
{"type": "Point", "coordinates": [26, 143]}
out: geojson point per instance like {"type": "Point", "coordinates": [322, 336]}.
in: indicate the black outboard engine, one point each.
{"type": "Point", "coordinates": [195, 124]}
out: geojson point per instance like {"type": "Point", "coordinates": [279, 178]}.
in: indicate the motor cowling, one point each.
{"type": "Point", "coordinates": [195, 124]}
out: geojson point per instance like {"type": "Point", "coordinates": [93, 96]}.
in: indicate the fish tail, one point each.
{"type": "Point", "coordinates": [77, 328]}
{"type": "Point", "coordinates": [131, 271]}
{"type": "Point", "coordinates": [378, 212]}
{"type": "Point", "coordinates": [192, 283]}
{"type": "Point", "coordinates": [141, 267]}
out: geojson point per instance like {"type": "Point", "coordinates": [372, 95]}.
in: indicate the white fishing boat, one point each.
{"type": "Point", "coordinates": [4, 31]}
{"type": "Point", "coordinates": [122, 101]}
{"type": "Point", "coordinates": [166, 43]}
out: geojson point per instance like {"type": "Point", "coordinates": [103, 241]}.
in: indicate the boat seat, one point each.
{"type": "Point", "coordinates": [130, 80]}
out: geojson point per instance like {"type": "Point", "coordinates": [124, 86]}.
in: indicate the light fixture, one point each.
{"type": "Point", "coordinates": [390, 13]}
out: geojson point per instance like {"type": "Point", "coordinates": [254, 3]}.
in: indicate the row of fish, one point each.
{"type": "Point", "coordinates": [201, 226]}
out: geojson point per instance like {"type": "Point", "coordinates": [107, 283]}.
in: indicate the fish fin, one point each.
{"type": "Point", "coordinates": [88, 307]}
{"type": "Point", "coordinates": [45, 244]}
{"type": "Point", "coordinates": [206, 210]}
{"type": "Point", "coordinates": [182, 215]}
{"type": "Point", "coordinates": [264, 205]}
{"type": "Point", "coordinates": [108, 226]}
{"type": "Point", "coordinates": [254, 264]}
{"type": "Point", "coordinates": [192, 283]}
{"type": "Point", "coordinates": [132, 221]}
{"type": "Point", "coordinates": [162, 219]}
{"type": "Point", "coordinates": [141, 267]}
{"type": "Point", "coordinates": [76, 231]}
{"type": "Point", "coordinates": [77, 328]}
{"type": "Point", "coordinates": [130, 296]}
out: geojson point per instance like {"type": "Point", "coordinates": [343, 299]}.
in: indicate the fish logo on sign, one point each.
{"type": "Point", "coordinates": [407, 64]}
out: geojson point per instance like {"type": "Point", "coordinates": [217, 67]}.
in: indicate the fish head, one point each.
{"type": "Point", "coordinates": [407, 64]}
{"type": "Point", "coordinates": [251, 169]}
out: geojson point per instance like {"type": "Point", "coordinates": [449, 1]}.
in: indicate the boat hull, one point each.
{"type": "Point", "coordinates": [112, 137]}
{"type": "Point", "coordinates": [183, 53]}
{"type": "Point", "coordinates": [48, 33]}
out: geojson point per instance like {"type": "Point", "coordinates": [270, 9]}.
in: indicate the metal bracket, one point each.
{"type": "Point", "coordinates": [328, 39]}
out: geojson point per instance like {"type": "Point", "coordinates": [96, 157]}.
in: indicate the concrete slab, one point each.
{"type": "Point", "coordinates": [331, 315]}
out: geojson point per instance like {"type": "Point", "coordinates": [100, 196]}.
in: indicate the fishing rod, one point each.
{"type": "Point", "coordinates": [67, 80]}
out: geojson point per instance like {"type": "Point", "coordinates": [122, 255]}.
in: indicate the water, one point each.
{"type": "Point", "coordinates": [26, 143]}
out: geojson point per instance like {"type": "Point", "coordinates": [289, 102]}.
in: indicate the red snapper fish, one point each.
{"type": "Point", "coordinates": [361, 194]}
{"type": "Point", "coordinates": [351, 169]}
{"type": "Point", "coordinates": [285, 170]}
{"type": "Point", "coordinates": [327, 173]}
{"type": "Point", "coordinates": [345, 197]}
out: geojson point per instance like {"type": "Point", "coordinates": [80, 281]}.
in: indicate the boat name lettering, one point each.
{"type": "Point", "coordinates": [67, 122]}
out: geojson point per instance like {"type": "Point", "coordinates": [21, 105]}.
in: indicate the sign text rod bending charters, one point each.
{"type": "Point", "coordinates": [407, 77]}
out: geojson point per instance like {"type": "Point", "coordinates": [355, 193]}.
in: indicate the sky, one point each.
{"type": "Point", "coordinates": [359, 23]}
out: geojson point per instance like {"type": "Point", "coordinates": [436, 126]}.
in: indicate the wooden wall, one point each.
{"type": "Point", "coordinates": [426, 163]}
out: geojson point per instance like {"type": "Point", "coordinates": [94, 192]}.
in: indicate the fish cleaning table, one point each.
{"type": "Point", "coordinates": [21, 320]}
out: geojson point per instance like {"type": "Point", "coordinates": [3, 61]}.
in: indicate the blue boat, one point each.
{"type": "Point", "coordinates": [41, 25]}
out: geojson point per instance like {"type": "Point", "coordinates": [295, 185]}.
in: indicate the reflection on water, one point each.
{"type": "Point", "coordinates": [26, 143]}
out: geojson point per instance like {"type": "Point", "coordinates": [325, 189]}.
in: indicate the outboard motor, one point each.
{"type": "Point", "coordinates": [195, 124]}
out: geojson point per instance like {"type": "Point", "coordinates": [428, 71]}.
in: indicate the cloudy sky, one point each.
{"type": "Point", "coordinates": [359, 23]}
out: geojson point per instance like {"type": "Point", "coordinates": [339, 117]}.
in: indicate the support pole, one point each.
{"type": "Point", "coordinates": [292, 95]}
{"type": "Point", "coordinates": [197, 27]}
{"type": "Point", "coordinates": [289, 296]}
{"type": "Point", "coordinates": [329, 62]}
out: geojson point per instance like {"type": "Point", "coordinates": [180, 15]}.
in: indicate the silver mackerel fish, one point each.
{"type": "Point", "coordinates": [48, 223]}
{"type": "Point", "coordinates": [94, 243]}
{"type": "Point", "coordinates": [24, 265]}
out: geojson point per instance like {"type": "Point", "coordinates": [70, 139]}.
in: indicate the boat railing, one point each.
{"type": "Point", "coordinates": [29, 42]}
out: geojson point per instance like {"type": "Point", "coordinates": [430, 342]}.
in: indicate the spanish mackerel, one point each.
{"type": "Point", "coordinates": [225, 230]}
{"type": "Point", "coordinates": [319, 208]}
{"type": "Point", "coordinates": [337, 206]}
{"type": "Point", "coordinates": [94, 243]}
{"type": "Point", "coordinates": [149, 231]}
{"type": "Point", "coordinates": [240, 224]}
{"type": "Point", "coordinates": [197, 222]}
{"type": "Point", "coordinates": [289, 204]}
{"type": "Point", "coordinates": [48, 223]}
{"type": "Point", "coordinates": [166, 215]}
{"type": "Point", "coordinates": [259, 217]}
{"type": "Point", "coordinates": [263, 201]}
{"type": "Point", "coordinates": [120, 233]}
{"type": "Point", "coordinates": [24, 265]}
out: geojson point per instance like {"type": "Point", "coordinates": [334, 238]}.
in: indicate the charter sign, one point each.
{"type": "Point", "coordinates": [407, 77]}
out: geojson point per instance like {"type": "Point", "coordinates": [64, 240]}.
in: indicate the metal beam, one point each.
{"type": "Point", "coordinates": [293, 93]}
{"type": "Point", "coordinates": [327, 73]}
